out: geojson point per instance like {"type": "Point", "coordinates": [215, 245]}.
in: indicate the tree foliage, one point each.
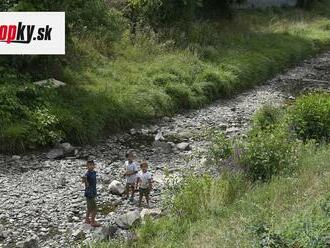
{"type": "Point", "coordinates": [166, 12]}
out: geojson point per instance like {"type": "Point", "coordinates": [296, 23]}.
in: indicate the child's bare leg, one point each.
{"type": "Point", "coordinates": [127, 191]}
{"type": "Point", "coordinates": [147, 198]}
{"type": "Point", "coordinates": [93, 221]}
{"type": "Point", "coordinates": [140, 199]}
{"type": "Point", "coordinates": [87, 220]}
{"type": "Point", "coordinates": [133, 191]}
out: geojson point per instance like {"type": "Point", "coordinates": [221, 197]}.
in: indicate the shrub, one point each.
{"type": "Point", "coordinates": [310, 117]}
{"type": "Point", "coordinates": [267, 117]}
{"type": "Point", "coordinates": [43, 128]}
{"type": "Point", "coordinates": [221, 147]}
{"type": "Point", "coordinates": [266, 154]}
{"type": "Point", "coordinates": [158, 13]}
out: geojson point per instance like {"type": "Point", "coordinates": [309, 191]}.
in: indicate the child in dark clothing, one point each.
{"type": "Point", "coordinates": [90, 193]}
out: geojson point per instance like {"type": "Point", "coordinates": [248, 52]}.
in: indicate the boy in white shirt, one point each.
{"type": "Point", "coordinates": [130, 174]}
{"type": "Point", "coordinates": [144, 182]}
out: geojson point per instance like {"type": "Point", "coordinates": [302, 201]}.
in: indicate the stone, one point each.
{"type": "Point", "coordinates": [153, 213]}
{"type": "Point", "coordinates": [133, 131]}
{"type": "Point", "coordinates": [67, 147]}
{"type": "Point", "coordinates": [164, 146]}
{"type": "Point", "coordinates": [101, 234]}
{"type": "Point", "coordinates": [159, 136]}
{"type": "Point", "coordinates": [62, 181]}
{"type": "Point", "coordinates": [104, 233]}
{"type": "Point", "coordinates": [55, 153]}
{"type": "Point", "coordinates": [116, 188]}
{"type": "Point", "coordinates": [16, 157]}
{"type": "Point", "coordinates": [50, 83]}
{"type": "Point", "coordinates": [128, 220]}
{"type": "Point", "coordinates": [232, 130]}
{"type": "Point", "coordinates": [78, 234]}
{"type": "Point", "coordinates": [183, 146]}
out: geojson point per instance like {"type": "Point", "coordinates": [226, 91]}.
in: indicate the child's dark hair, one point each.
{"type": "Point", "coordinates": [90, 162]}
{"type": "Point", "coordinates": [129, 152]}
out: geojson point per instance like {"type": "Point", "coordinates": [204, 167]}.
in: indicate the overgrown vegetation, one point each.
{"type": "Point", "coordinates": [290, 210]}
{"type": "Point", "coordinates": [124, 78]}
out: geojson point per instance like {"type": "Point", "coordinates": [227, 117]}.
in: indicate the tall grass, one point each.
{"type": "Point", "coordinates": [152, 75]}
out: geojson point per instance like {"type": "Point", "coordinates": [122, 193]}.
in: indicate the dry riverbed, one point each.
{"type": "Point", "coordinates": [41, 199]}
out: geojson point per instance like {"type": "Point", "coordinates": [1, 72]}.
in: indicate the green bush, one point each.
{"type": "Point", "coordinates": [221, 147]}
{"type": "Point", "coordinates": [267, 153]}
{"type": "Point", "coordinates": [310, 117]}
{"type": "Point", "coordinates": [267, 117]}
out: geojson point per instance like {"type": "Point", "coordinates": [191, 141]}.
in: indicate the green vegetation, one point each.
{"type": "Point", "coordinates": [290, 210]}
{"type": "Point", "coordinates": [116, 79]}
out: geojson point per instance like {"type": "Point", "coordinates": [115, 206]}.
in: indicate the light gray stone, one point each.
{"type": "Point", "coordinates": [153, 213]}
{"type": "Point", "coordinates": [51, 83]}
{"type": "Point", "coordinates": [183, 146]}
{"type": "Point", "coordinates": [116, 188]}
{"type": "Point", "coordinates": [128, 220]}
{"type": "Point", "coordinates": [55, 153]}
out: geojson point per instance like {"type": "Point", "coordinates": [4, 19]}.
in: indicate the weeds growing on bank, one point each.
{"type": "Point", "coordinates": [158, 75]}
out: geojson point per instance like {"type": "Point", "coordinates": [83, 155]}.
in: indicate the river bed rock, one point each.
{"type": "Point", "coordinates": [116, 188]}
{"type": "Point", "coordinates": [128, 220]}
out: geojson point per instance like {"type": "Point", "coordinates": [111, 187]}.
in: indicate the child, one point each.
{"type": "Point", "coordinates": [144, 181]}
{"type": "Point", "coordinates": [90, 193]}
{"type": "Point", "coordinates": [130, 174]}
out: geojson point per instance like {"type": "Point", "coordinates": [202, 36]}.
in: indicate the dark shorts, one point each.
{"type": "Point", "coordinates": [144, 191]}
{"type": "Point", "coordinates": [91, 203]}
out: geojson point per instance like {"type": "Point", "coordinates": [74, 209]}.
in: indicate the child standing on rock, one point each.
{"type": "Point", "coordinates": [144, 182]}
{"type": "Point", "coordinates": [130, 174]}
{"type": "Point", "coordinates": [90, 193]}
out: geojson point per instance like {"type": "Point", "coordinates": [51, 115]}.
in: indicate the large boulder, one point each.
{"type": "Point", "coordinates": [152, 213]}
{"type": "Point", "coordinates": [166, 147]}
{"type": "Point", "coordinates": [67, 148]}
{"type": "Point", "coordinates": [50, 83]}
{"type": "Point", "coordinates": [116, 188]}
{"type": "Point", "coordinates": [183, 146]}
{"type": "Point", "coordinates": [62, 150]}
{"type": "Point", "coordinates": [128, 220]}
{"type": "Point", "coordinates": [55, 153]}
{"type": "Point", "coordinates": [104, 233]}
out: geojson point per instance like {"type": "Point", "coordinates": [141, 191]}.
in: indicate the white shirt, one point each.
{"type": "Point", "coordinates": [131, 167]}
{"type": "Point", "coordinates": [144, 179]}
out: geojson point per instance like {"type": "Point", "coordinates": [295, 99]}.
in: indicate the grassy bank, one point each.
{"type": "Point", "coordinates": [280, 198]}
{"type": "Point", "coordinates": [287, 212]}
{"type": "Point", "coordinates": [155, 76]}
